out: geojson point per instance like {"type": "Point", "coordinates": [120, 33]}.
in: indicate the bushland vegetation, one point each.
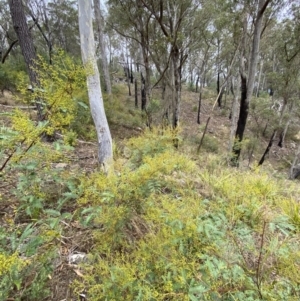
{"type": "Point", "coordinates": [167, 224]}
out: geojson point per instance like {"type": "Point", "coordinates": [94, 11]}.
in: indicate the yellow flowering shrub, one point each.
{"type": "Point", "coordinates": [9, 262]}
{"type": "Point", "coordinates": [169, 230]}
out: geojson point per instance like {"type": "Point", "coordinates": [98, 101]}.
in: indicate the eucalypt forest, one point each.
{"type": "Point", "coordinates": [149, 150]}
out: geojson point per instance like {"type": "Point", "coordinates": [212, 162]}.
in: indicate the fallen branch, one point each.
{"type": "Point", "coordinates": [19, 107]}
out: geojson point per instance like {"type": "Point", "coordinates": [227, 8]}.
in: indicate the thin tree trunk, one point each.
{"type": "Point", "coordinates": [255, 47]}
{"type": "Point", "coordinates": [283, 133]}
{"type": "Point", "coordinates": [131, 73]}
{"type": "Point", "coordinates": [248, 84]}
{"type": "Point", "coordinates": [261, 161]}
{"type": "Point", "coordinates": [146, 81]}
{"type": "Point", "coordinates": [136, 98]}
{"type": "Point", "coordinates": [233, 114]}
{"type": "Point", "coordinates": [127, 72]}
{"type": "Point", "coordinates": [143, 93]}
{"type": "Point", "coordinates": [203, 135]}
{"type": "Point", "coordinates": [259, 78]}
{"type": "Point", "coordinates": [199, 103]}
{"type": "Point", "coordinates": [241, 125]}
{"type": "Point", "coordinates": [93, 83]}
{"type": "Point", "coordinates": [48, 42]}
{"type": "Point", "coordinates": [197, 83]}
{"type": "Point", "coordinates": [104, 64]}
{"type": "Point", "coordinates": [218, 91]}
{"type": "Point", "coordinates": [177, 86]}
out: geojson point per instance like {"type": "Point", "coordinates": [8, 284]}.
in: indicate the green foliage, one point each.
{"type": "Point", "coordinates": [153, 106]}
{"type": "Point", "coordinates": [10, 72]}
{"type": "Point", "coordinates": [191, 87]}
{"type": "Point", "coordinates": [265, 118]}
{"type": "Point", "coordinates": [70, 138]}
{"type": "Point", "coordinates": [119, 111]}
{"type": "Point", "coordinates": [164, 227]}
{"type": "Point", "coordinates": [158, 239]}
{"type": "Point", "coordinates": [62, 93]}
{"type": "Point", "coordinates": [155, 235]}
{"type": "Point", "coordinates": [153, 142]}
{"type": "Point", "coordinates": [26, 262]}
{"type": "Point", "coordinates": [42, 191]}
{"type": "Point", "coordinates": [210, 144]}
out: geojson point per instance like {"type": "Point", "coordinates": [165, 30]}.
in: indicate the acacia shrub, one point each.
{"type": "Point", "coordinates": [158, 238]}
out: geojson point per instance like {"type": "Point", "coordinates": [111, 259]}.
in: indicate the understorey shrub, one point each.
{"type": "Point", "coordinates": [157, 237]}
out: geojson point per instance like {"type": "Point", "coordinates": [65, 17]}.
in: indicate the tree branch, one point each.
{"type": "Point", "coordinates": [8, 50]}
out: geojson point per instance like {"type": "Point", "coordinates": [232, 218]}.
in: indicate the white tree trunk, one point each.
{"type": "Point", "coordinates": [87, 43]}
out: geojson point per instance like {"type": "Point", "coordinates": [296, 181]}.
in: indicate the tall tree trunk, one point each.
{"type": "Point", "coordinates": [87, 44]}
{"type": "Point", "coordinates": [197, 83]}
{"type": "Point", "coordinates": [233, 114]}
{"type": "Point", "coordinates": [218, 76]}
{"type": "Point", "coordinates": [241, 125]}
{"type": "Point", "coordinates": [177, 86]}
{"type": "Point", "coordinates": [247, 84]}
{"type": "Point", "coordinates": [259, 78]}
{"type": "Point", "coordinates": [127, 73]}
{"type": "Point", "coordinates": [131, 73]}
{"type": "Point", "coordinates": [147, 73]}
{"type": "Point", "coordinates": [143, 93]}
{"type": "Point", "coordinates": [199, 103]}
{"type": "Point", "coordinates": [105, 68]}
{"type": "Point", "coordinates": [27, 47]}
{"type": "Point", "coordinates": [283, 133]}
{"type": "Point", "coordinates": [295, 169]}
{"type": "Point", "coordinates": [218, 91]}
{"type": "Point", "coordinates": [255, 47]}
{"type": "Point", "coordinates": [136, 97]}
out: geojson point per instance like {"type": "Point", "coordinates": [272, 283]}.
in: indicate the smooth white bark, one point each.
{"type": "Point", "coordinates": [87, 43]}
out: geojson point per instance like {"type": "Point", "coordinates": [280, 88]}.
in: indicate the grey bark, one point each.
{"type": "Point", "coordinates": [255, 47]}
{"type": "Point", "coordinates": [234, 112]}
{"type": "Point", "coordinates": [176, 87]}
{"type": "Point", "coordinates": [104, 63]}
{"type": "Point", "coordinates": [26, 44]}
{"type": "Point", "coordinates": [87, 43]}
{"type": "Point", "coordinates": [295, 168]}
{"type": "Point", "coordinates": [247, 82]}
{"type": "Point", "coordinates": [259, 78]}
